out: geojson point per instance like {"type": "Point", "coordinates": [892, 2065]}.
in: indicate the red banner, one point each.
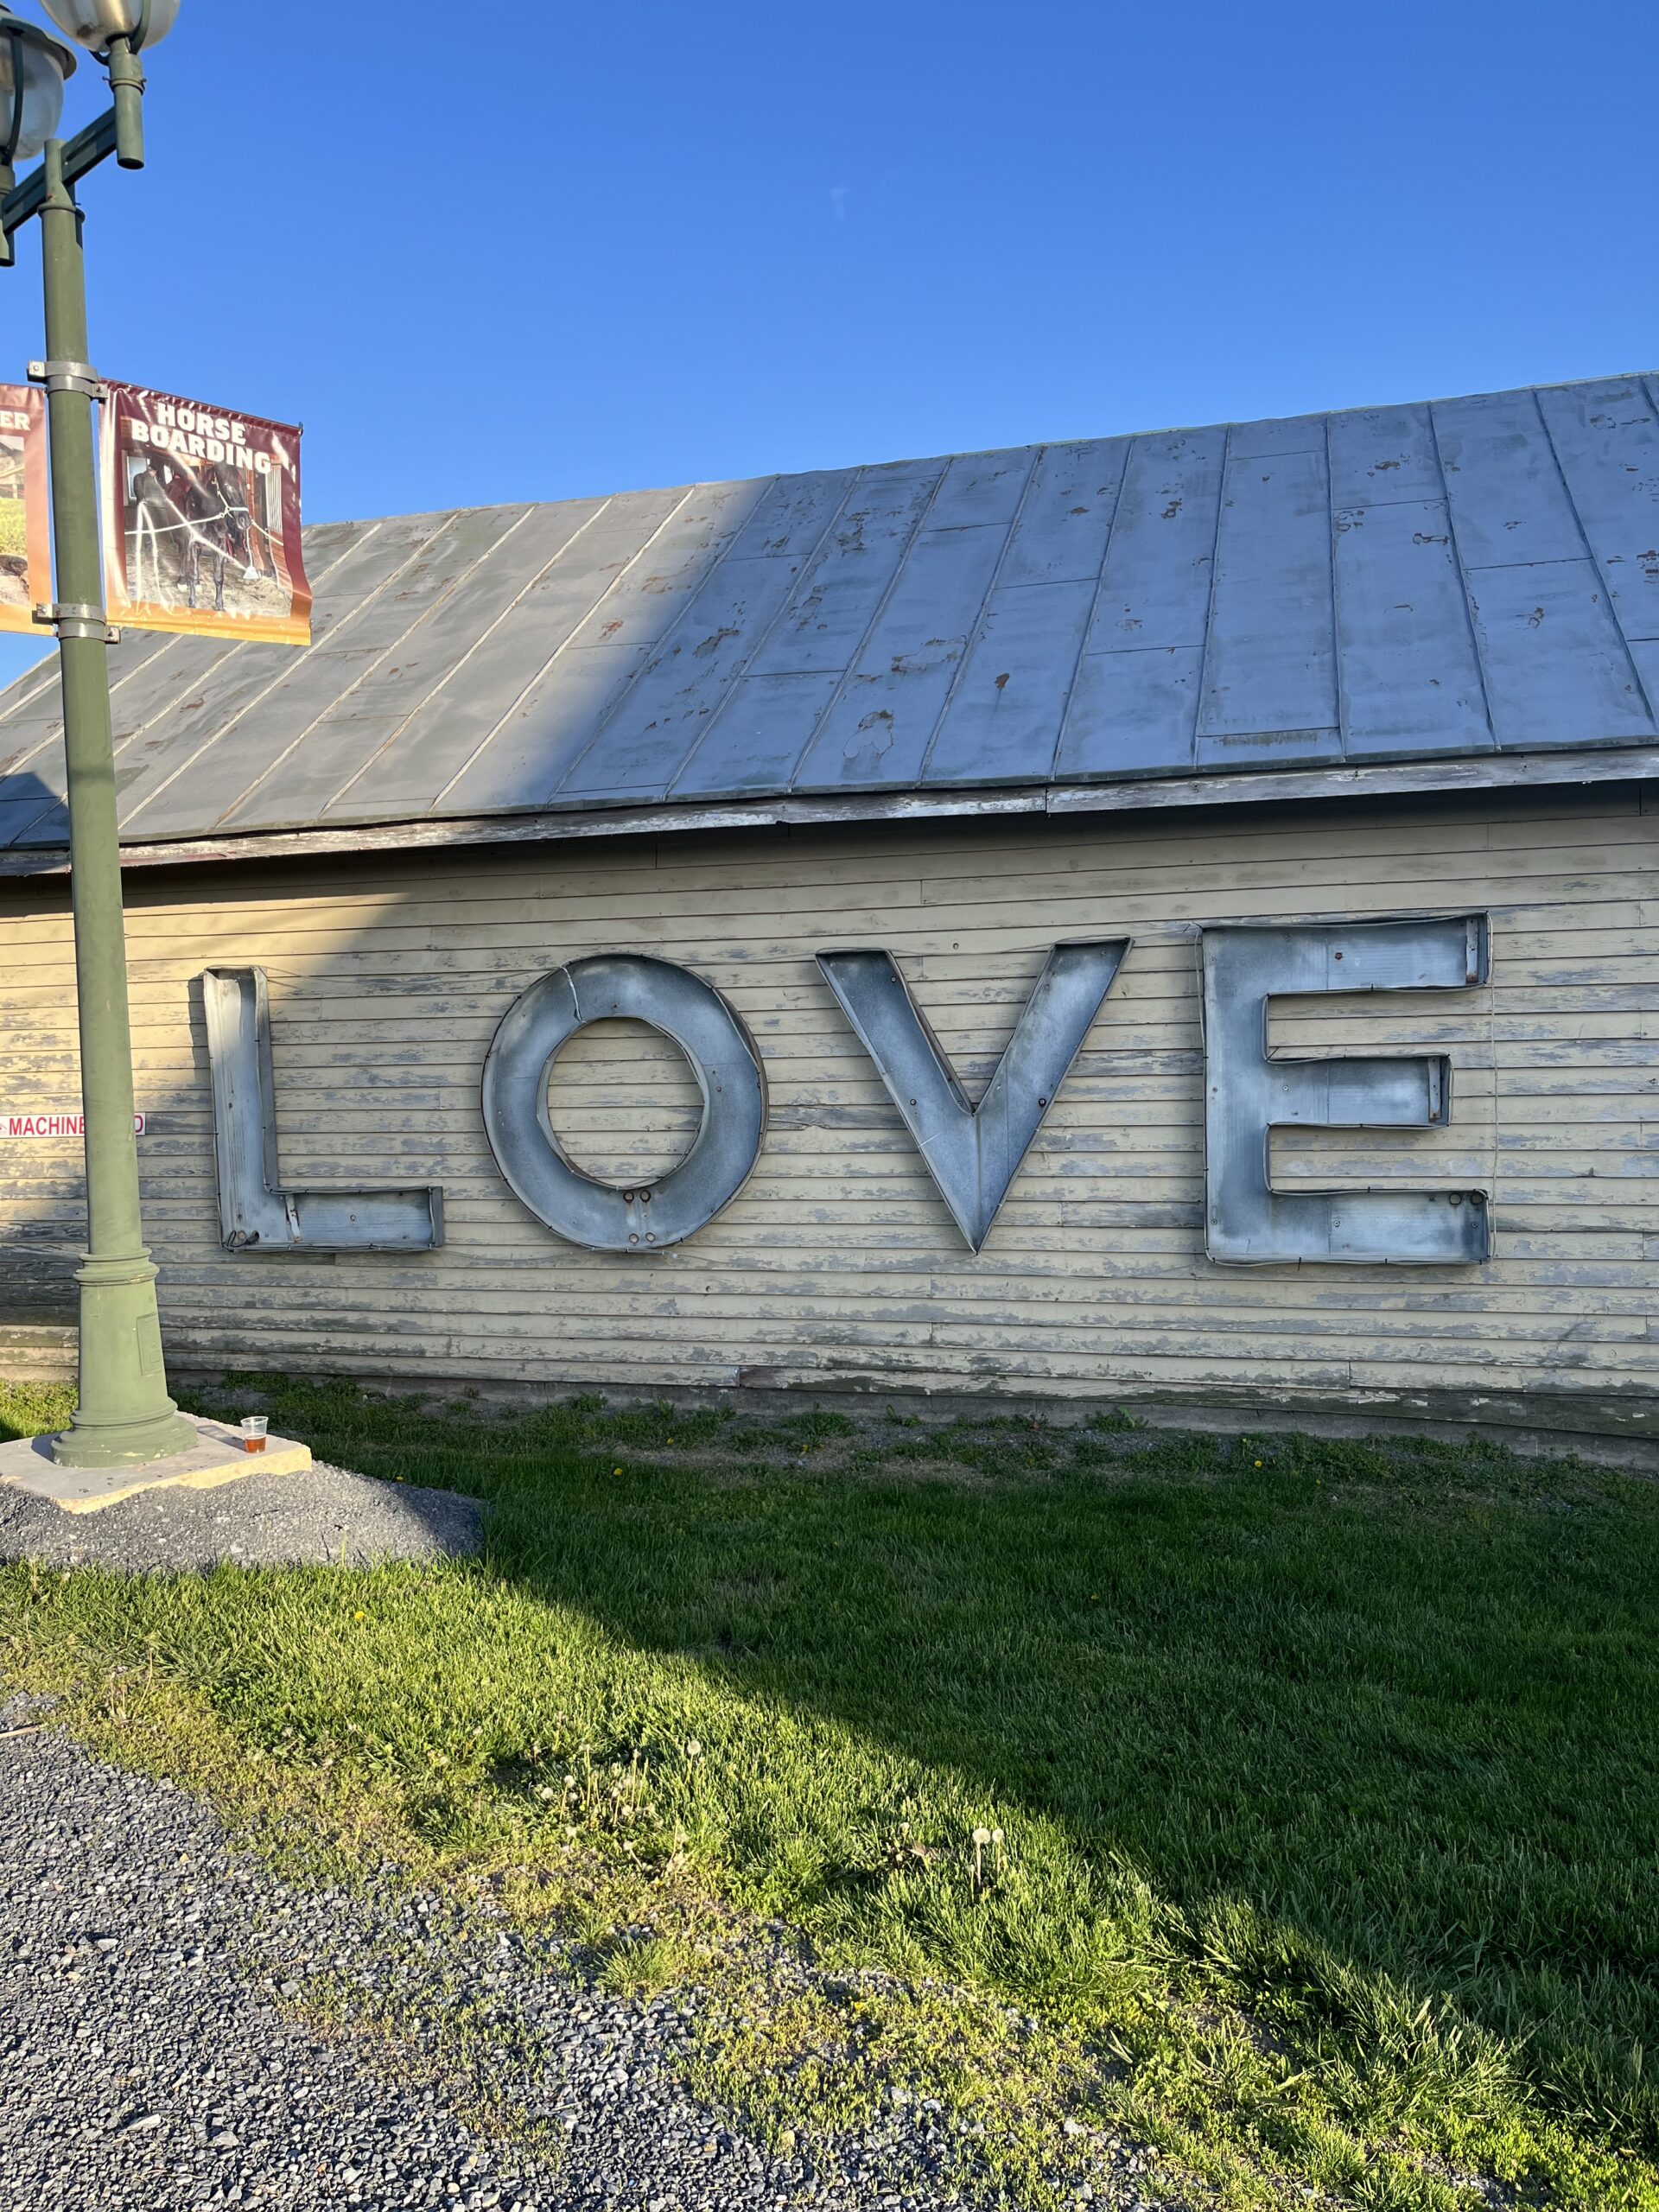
{"type": "Point", "coordinates": [25, 521]}
{"type": "Point", "coordinates": [202, 520]}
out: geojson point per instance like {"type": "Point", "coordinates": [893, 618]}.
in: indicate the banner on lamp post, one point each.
{"type": "Point", "coordinates": [25, 520]}
{"type": "Point", "coordinates": [202, 520]}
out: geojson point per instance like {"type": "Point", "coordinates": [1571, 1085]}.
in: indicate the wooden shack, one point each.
{"type": "Point", "coordinates": [1187, 701]}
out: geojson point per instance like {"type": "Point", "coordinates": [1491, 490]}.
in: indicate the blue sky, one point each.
{"type": "Point", "coordinates": [650, 243]}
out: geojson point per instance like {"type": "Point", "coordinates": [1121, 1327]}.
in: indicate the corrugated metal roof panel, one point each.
{"type": "Point", "coordinates": [1457, 579]}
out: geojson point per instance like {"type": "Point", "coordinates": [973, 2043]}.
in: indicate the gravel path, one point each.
{"type": "Point", "coordinates": [152, 2061]}
{"type": "Point", "coordinates": [163, 2044]}
{"type": "Point", "coordinates": [327, 1517]}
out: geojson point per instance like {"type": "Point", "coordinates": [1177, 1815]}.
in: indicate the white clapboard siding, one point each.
{"type": "Point", "coordinates": [838, 1266]}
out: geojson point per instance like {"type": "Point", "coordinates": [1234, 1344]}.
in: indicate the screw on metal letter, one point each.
{"type": "Point", "coordinates": [628, 986]}
{"type": "Point", "coordinates": [973, 1152]}
{"type": "Point", "coordinates": [256, 1214]}
{"type": "Point", "coordinates": [1248, 1093]}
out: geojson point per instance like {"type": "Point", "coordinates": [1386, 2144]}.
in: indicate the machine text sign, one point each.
{"type": "Point", "coordinates": [56, 1125]}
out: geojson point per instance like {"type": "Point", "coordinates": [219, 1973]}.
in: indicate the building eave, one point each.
{"type": "Point", "coordinates": [1406, 778]}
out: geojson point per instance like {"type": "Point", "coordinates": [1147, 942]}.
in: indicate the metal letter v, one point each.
{"type": "Point", "coordinates": [973, 1152]}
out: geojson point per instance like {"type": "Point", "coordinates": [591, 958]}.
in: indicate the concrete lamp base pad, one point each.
{"type": "Point", "coordinates": [218, 1457]}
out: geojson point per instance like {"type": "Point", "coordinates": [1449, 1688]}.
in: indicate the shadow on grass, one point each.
{"type": "Point", "coordinates": [1359, 1729]}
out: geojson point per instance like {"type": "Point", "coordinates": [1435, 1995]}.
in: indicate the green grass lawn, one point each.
{"type": "Point", "coordinates": [1306, 1794]}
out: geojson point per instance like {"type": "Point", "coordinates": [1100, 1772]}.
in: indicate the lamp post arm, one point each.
{"type": "Point", "coordinates": [80, 155]}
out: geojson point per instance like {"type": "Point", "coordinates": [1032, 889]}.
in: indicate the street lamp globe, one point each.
{"type": "Point", "coordinates": [32, 69]}
{"type": "Point", "coordinates": [94, 22]}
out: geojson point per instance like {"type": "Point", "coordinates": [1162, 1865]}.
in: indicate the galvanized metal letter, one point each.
{"type": "Point", "coordinates": [973, 1152]}
{"type": "Point", "coordinates": [256, 1214]}
{"type": "Point", "coordinates": [1249, 1092]}
{"type": "Point", "coordinates": [630, 986]}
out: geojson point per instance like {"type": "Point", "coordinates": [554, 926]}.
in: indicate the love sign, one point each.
{"type": "Point", "coordinates": [973, 1151]}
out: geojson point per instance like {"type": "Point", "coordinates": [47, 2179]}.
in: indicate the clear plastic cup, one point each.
{"type": "Point", "coordinates": [254, 1427]}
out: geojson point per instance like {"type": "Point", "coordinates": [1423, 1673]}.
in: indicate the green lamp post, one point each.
{"type": "Point", "coordinates": [125, 1416]}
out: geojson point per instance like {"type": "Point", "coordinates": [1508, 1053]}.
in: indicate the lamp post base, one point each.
{"type": "Point", "coordinates": [124, 1417]}
{"type": "Point", "coordinates": [213, 1453]}
{"type": "Point", "coordinates": [123, 1444]}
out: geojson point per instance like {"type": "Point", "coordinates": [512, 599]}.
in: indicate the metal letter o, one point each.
{"type": "Point", "coordinates": [631, 987]}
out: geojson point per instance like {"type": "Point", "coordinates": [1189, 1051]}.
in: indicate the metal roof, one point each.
{"type": "Point", "coordinates": [1450, 582]}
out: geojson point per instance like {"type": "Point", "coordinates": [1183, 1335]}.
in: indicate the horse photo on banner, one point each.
{"type": "Point", "coordinates": [202, 520]}
{"type": "Point", "coordinates": [25, 522]}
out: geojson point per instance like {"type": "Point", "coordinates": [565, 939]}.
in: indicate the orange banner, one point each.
{"type": "Point", "coordinates": [202, 520]}
{"type": "Point", "coordinates": [25, 520]}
